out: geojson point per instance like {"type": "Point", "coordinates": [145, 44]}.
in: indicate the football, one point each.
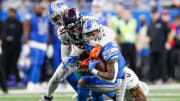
{"type": "Point", "coordinates": [101, 66]}
{"type": "Point", "coordinates": [83, 56]}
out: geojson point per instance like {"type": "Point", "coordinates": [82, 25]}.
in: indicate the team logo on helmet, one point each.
{"type": "Point", "coordinates": [56, 8]}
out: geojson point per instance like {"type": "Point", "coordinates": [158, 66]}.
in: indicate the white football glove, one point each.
{"type": "Point", "coordinates": [50, 51]}
{"type": "Point", "coordinates": [25, 50]}
{"type": "Point", "coordinates": [24, 61]}
{"type": "Point", "coordinates": [45, 98]}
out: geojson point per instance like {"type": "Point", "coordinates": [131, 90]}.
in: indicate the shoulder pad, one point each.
{"type": "Point", "coordinates": [107, 34]}
{"type": "Point", "coordinates": [89, 17]}
{"type": "Point", "coordinates": [63, 35]}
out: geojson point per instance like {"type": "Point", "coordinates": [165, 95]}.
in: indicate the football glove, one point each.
{"type": "Point", "coordinates": [95, 52]}
{"type": "Point", "coordinates": [70, 60]}
{"type": "Point", "coordinates": [93, 55]}
{"type": "Point", "coordinates": [92, 64]}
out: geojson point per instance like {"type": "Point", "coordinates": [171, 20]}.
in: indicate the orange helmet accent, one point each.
{"type": "Point", "coordinates": [67, 13]}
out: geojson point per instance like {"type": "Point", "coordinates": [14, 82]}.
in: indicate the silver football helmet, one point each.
{"type": "Point", "coordinates": [56, 11]}
{"type": "Point", "coordinates": [89, 27]}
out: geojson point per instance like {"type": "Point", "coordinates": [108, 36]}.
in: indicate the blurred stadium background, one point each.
{"type": "Point", "coordinates": [163, 79]}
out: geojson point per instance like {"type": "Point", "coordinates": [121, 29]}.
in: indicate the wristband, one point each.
{"type": "Point", "coordinates": [94, 71]}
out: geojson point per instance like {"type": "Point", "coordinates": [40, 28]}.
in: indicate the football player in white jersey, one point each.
{"type": "Point", "coordinates": [68, 47]}
{"type": "Point", "coordinates": [136, 90]}
{"type": "Point", "coordinates": [71, 45]}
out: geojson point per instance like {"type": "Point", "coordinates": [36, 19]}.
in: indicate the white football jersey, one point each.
{"type": "Point", "coordinates": [108, 35]}
{"type": "Point", "coordinates": [63, 34]}
{"type": "Point", "coordinates": [132, 81]}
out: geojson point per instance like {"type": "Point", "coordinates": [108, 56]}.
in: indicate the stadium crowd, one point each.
{"type": "Point", "coordinates": [148, 33]}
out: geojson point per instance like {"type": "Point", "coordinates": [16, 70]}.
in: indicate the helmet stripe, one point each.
{"type": "Point", "coordinates": [67, 13]}
{"type": "Point", "coordinates": [88, 24]}
{"type": "Point", "coordinates": [59, 4]}
{"type": "Point", "coordinates": [74, 9]}
{"type": "Point", "coordinates": [50, 9]}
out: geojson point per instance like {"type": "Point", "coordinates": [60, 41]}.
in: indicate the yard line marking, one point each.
{"type": "Point", "coordinates": [30, 96]}
{"type": "Point", "coordinates": [67, 94]}
{"type": "Point", "coordinates": [162, 99]}
{"type": "Point", "coordinates": [166, 86]}
{"type": "Point", "coordinates": [164, 94]}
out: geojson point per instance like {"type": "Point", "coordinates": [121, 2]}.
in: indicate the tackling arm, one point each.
{"type": "Point", "coordinates": [138, 94]}
{"type": "Point", "coordinates": [65, 52]}
{"type": "Point", "coordinates": [60, 73]}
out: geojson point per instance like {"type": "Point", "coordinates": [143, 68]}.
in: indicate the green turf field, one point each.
{"type": "Point", "coordinates": [156, 94]}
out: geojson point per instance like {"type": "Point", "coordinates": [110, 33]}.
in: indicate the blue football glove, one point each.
{"type": "Point", "coordinates": [92, 64]}
{"type": "Point", "coordinates": [69, 60]}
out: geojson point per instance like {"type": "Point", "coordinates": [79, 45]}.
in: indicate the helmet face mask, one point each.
{"type": "Point", "coordinates": [91, 32]}
{"type": "Point", "coordinates": [92, 38]}
{"type": "Point", "coordinates": [73, 23]}
{"type": "Point", "coordinates": [75, 32]}
{"type": "Point", "coordinates": [56, 11]}
{"type": "Point", "coordinates": [92, 35]}
{"type": "Point", "coordinates": [58, 20]}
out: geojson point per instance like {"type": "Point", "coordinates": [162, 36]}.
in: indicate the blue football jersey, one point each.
{"type": "Point", "coordinates": [39, 28]}
{"type": "Point", "coordinates": [111, 51]}
{"type": "Point", "coordinates": [102, 19]}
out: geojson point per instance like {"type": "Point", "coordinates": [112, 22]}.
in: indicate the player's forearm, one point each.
{"type": "Point", "coordinates": [111, 72]}
{"type": "Point", "coordinates": [65, 52]}
{"type": "Point", "coordinates": [49, 38]}
{"type": "Point", "coordinates": [26, 31]}
{"type": "Point", "coordinates": [138, 94]}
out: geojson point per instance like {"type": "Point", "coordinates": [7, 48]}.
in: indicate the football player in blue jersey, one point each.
{"type": "Point", "coordinates": [70, 45]}
{"type": "Point", "coordinates": [97, 11]}
{"type": "Point", "coordinates": [112, 80]}
{"type": "Point", "coordinates": [95, 34]}
{"type": "Point", "coordinates": [36, 37]}
{"type": "Point", "coordinates": [71, 42]}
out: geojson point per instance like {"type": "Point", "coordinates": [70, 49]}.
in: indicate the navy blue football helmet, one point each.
{"type": "Point", "coordinates": [72, 20]}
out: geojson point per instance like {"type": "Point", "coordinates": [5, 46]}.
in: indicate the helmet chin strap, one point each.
{"type": "Point", "coordinates": [93, 42]}
{"type": "Point", "coordinates": [96, 41]}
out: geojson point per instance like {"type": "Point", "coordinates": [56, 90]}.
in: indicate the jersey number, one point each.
{"type": "Point", "coordinates": [42, 28]}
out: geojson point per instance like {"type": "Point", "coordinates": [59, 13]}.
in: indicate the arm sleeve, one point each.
{"type": "Point", "coordinates": [65, 52]}
{"type": "Point", "coordinates": [111, 51]}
